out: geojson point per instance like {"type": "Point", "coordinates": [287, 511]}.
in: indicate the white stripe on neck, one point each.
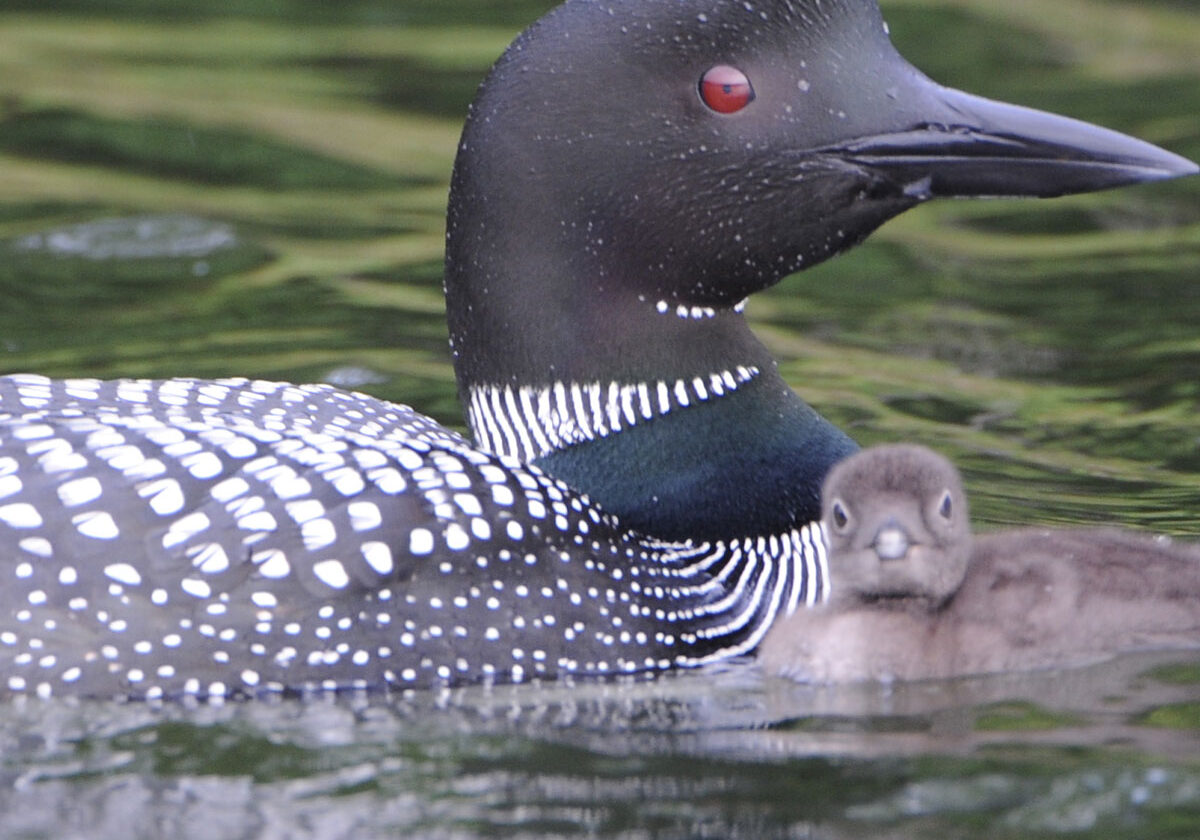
{"type": "Point", "coordinates": [528, 421]}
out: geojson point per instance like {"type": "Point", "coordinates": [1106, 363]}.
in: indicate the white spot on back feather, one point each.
{"type": "Point", "coordinates": [97, 524]}
{"type": "Point", "coordinates": [123, 573]}
{"type": "Point", "coordinates": [332, 573]}
{"type": "Point", "coordinates": [364, 516]}
{"type": "Point", "coordinates": [21, 515]}
{"type": "Point", "coordinates": [379, 557]}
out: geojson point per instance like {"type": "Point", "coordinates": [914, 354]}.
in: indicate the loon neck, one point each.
{"type": "Point", "coordinates": [593, 344]}
{"type": "Point", "coordinates": [744, 463]}
{"type": "Point", "coordinates": [566, 326]}
{"type": "Point", "coordinates": [527, 422]}
{"type": "Point", "coordinates": [548, 389]}
{"type": "Point", "coordinates": [668, 412]}
{"type": "Point", "coordinates": [670, 415]}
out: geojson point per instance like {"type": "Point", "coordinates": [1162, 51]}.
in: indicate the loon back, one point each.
{"type": "Point", "coordinates": [630, 171]}
{"type": "Point", "coordinates": [205, 538]}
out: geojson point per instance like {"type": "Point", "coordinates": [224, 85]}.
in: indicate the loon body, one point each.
{"type": "Point", "coordinates": [233, 535]}
{"type": "Point", "coordinates": [643, 490]}
{"type": "Point", "coordinates": [916, 597]}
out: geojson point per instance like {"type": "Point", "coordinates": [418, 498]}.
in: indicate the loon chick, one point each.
{"type": "Point", "coordinates": [915, 597]}
{"type": "Point", "coordinates": [644, 488]}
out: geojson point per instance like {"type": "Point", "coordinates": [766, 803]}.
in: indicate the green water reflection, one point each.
{"type": "Point", "coordinates": [303, 150]}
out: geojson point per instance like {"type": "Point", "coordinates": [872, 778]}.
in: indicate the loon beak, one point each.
{"type": "Point", "coordinates": [972, 146]}
{"type": "Point", "coordinates": [892, 541]}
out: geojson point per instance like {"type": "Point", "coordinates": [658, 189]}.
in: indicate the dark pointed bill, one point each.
{"type": "Point", "coordinates": [974, 146]}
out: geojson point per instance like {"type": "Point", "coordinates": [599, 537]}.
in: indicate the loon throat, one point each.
{"type": "Point", "coordinates": [526, 422]}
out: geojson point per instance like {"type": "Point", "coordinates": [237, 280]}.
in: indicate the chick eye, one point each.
{"type": "Point", "coordinates": [726, 89]}
{"type": "Point", "coordinates": [946, 506]}
{"type": "Point", "coordinates": [837, 512]}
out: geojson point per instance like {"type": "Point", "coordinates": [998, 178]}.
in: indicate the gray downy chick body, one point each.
{"type": "Point", "coordinates": [916, 597]}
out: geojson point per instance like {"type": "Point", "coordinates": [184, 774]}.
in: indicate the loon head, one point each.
{"type": "Point", "coordinates": [639, 154]}
{"type": "Point", "coordinates": [632, 170]}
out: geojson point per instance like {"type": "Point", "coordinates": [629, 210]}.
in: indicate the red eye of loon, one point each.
{"type": "Point", "coordinates": [726, 89]}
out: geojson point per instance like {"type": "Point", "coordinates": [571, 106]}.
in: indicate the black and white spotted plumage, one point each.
{"type": "Point", "coordinates": [183, 537]}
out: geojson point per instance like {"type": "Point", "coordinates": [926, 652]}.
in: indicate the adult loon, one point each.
{"type": "Point", "coordinates": [916, 597]}
{"type": "Point", "coordinates": [630, 172]}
